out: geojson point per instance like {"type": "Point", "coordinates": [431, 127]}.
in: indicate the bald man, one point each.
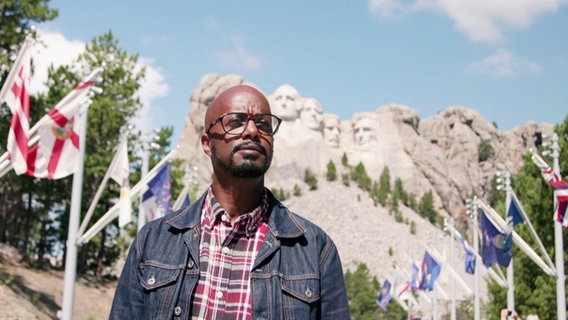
{"type": "Point", "coordinates": [236, 253]}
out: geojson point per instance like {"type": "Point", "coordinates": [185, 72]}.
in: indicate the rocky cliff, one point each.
{"type": "Point", "coordinates": [438, 153]}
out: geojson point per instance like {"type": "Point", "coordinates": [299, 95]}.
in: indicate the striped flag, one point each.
{"type": "Point", "coordinates": [55, 155]}
{"type": "Point", "coordinates": [558, 185]}
{"type": "Point", "coordinates": [15, 93]}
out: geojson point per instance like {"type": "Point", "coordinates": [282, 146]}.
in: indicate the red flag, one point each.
{"type": "Point", "coordinates": [559, 186]}
{"type": "Point", "coordinates": [55, 155]}
{"type": "Point", "coordinates": [16, 95]}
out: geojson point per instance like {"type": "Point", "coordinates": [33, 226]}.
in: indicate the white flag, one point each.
{"type": "Point", "coordinates": [119, 172]}
{"type": "Point", "coordinates": [16, 94]}
{"type": "Point", "coordinates": [55, 155]}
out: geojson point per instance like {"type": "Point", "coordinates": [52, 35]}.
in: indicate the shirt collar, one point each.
{"type": "Point", "coordinates": [250, 221]}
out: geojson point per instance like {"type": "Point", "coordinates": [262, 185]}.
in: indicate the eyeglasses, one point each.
{"type": "Point", "coordinates": [235, 123]}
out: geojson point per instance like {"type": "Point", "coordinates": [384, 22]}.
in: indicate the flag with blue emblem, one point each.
{"type": "Point", "coordinates": [496, 247]}
{"type": "Point", "coordinates": [384, 296]}
{"type": "Point", "coordinates": [430, 272]}
{"type": "Point", "coordinates": [157, 200]}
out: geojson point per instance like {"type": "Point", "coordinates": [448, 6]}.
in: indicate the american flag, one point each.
{"type": "Point", "coordinates": [558, 185]}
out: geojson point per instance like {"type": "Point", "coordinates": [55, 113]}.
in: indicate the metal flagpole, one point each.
{"type": "Point", "coordinates": [74, 216]}
{"type": "Point", "coordinates": [505, 183]}
{"type": "Point", "coordinates": [145, 165]}
{"type": "Point", "coordinates": [558, 240]}
{"type": "Point", "coordinates": [453, 283]}
{"type": "Point", "coordinates": [471, 205]}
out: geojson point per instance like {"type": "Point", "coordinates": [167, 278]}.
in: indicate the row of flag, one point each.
{"type": "Point", "coordinates": [422, 278]}
{"type": "Point", "coordinates": [54, 155]}
{"type": "Point", "coordinates": [496, 244]}
{"type": "Point", "coordinates": [51, 148]}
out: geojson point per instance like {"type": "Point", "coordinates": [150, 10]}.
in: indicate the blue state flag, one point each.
{"type": "Point", "coordinates": [384, 296]}
{"type": "Point", "coordinates": [415, 278]}
{"type": "Point", "coordinates": [496, 247]}
{"type": "Point", "coordinates": [515, 214]}
{"type": "Point", "coordinates": [430, 272]}
{"type": "Point", "coordinates": [157, 200]}
{"type": "Point", "coordinates": [469, 256]}
{"type": "Point", "coordinates": [469, 262]}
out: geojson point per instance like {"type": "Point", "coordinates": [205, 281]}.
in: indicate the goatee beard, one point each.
{"type": "Point", "coordinates": [248, 169]}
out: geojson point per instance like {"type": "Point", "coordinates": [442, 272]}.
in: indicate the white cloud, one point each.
{"type": "Point", "coordinates": [58, 50]}
{"type": "Point", "coordinates": [152, 87]}
{"type": "Point", "coordinates": [385, 8]}
{"type": "Point", "coordinates": [52, 49]}
{"type": "Point", "coordinates": [480, 20]}
{"type": "Point", "coordinates": [503, 64]}
{"type": "Point", "coordinates": [238, 57]}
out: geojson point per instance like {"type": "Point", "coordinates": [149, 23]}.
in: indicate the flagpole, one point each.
{"type": "Point", "coordinates": [453, 283]}
{"type": "Point", "coordinates": [144, 169]}
{"type": "Point", "coordinates": [558, 240]}
{"type": "Point", "coordinates": [74, 216]}
{"type": "Point", "coordinates": [510, 270]}
{"type": "Point", "coordinates": [134, 192]}
{"type": "Point", "coordinates": [476, 303]}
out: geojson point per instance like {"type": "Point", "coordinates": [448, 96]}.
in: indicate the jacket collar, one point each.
{"type": "Point", "coordinates": [281, 222]}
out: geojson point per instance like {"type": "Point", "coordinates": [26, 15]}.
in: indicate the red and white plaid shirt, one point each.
{"type": "Point", "coordinates": [226, 256]}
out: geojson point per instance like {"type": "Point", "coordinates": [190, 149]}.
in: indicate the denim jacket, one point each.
{"type": "Point", "coordinates": [297, 275]}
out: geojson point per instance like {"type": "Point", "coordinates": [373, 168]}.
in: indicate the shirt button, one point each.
{"type": "Point", "coordinates": [226, 250]}
{"type": "Point", "coordinates": [151, 281]}
{"type": "Point", "coordinates": [177, 311]}
{"type": "Point", "coordinates": [309, 293]}
{"type": "Point", "coordinates": [219, 294]}
{"type": "Point", "coordinates": [190, 264]}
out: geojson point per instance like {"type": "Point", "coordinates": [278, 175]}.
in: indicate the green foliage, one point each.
{"type": "Point", "coordinates": [362, 292]}
{"type": "Point", "coordinates": [345, 179]}
{"type": "Point", "coordinates": [398, 217]}
{"type": "Point", "coordinates": [331, 174]}
{"type": "Point", "coordinates": [426, 207]}
{"type": "Point", "coordinates": [485, 150]}
{"type": "Point", "coordinates": [399, 192]}
{"type": "Point", "coordinates": [391, 251]}
{"type": "Point", "coordinates": [412, 227]}
{"type": "Point", "coordinates": [345, 160]}
{"type": "Point", "coordinates": [310, 179]}
{"type": "Point", "coordinates": [297, 190]}
{"type": "Point", "coordinates": [15, 19]}
{"type": "Point", "coordinates": [280, 194]}
{"type": "Point", "coordinates": [359, 175]}
{"type": "Point", "coordinates": [384, 187]}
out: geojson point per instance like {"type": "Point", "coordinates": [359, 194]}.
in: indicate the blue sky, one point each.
{"type": "Point", "coordinates": [507, 59]}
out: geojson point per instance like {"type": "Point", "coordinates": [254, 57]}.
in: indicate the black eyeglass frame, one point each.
{"type": "Point", "coordinates": [249, 117]}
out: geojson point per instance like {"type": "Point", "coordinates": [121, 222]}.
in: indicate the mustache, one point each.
{"type": "Point", "coordinates": [249, 144]}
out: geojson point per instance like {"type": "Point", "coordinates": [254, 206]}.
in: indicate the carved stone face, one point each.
{"type": "Point", "coordinates": [311, 114]}
{"type": "Point", "coordinates": [364, 132]}
{"type": "Point", "coordinates": [331, 130]}
{"type": "Point", "coordinates": [285, 103]}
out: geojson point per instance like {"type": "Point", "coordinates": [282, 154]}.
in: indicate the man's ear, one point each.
{"type": "Point", "coordinates": [206, 144]}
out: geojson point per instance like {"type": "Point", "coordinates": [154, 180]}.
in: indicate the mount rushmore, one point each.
{"type": "Point", "coordinates": [439, 153]}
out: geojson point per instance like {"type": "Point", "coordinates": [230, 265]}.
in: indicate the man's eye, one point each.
{"type": "Point", "coordinates": [234, 122]}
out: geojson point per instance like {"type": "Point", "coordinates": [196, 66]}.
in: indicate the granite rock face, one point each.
{"type": "Point", "coordinates": [439, 153]}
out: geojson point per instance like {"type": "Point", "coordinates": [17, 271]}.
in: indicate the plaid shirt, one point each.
{"type": "Point", "coordinates": [227, 254]}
